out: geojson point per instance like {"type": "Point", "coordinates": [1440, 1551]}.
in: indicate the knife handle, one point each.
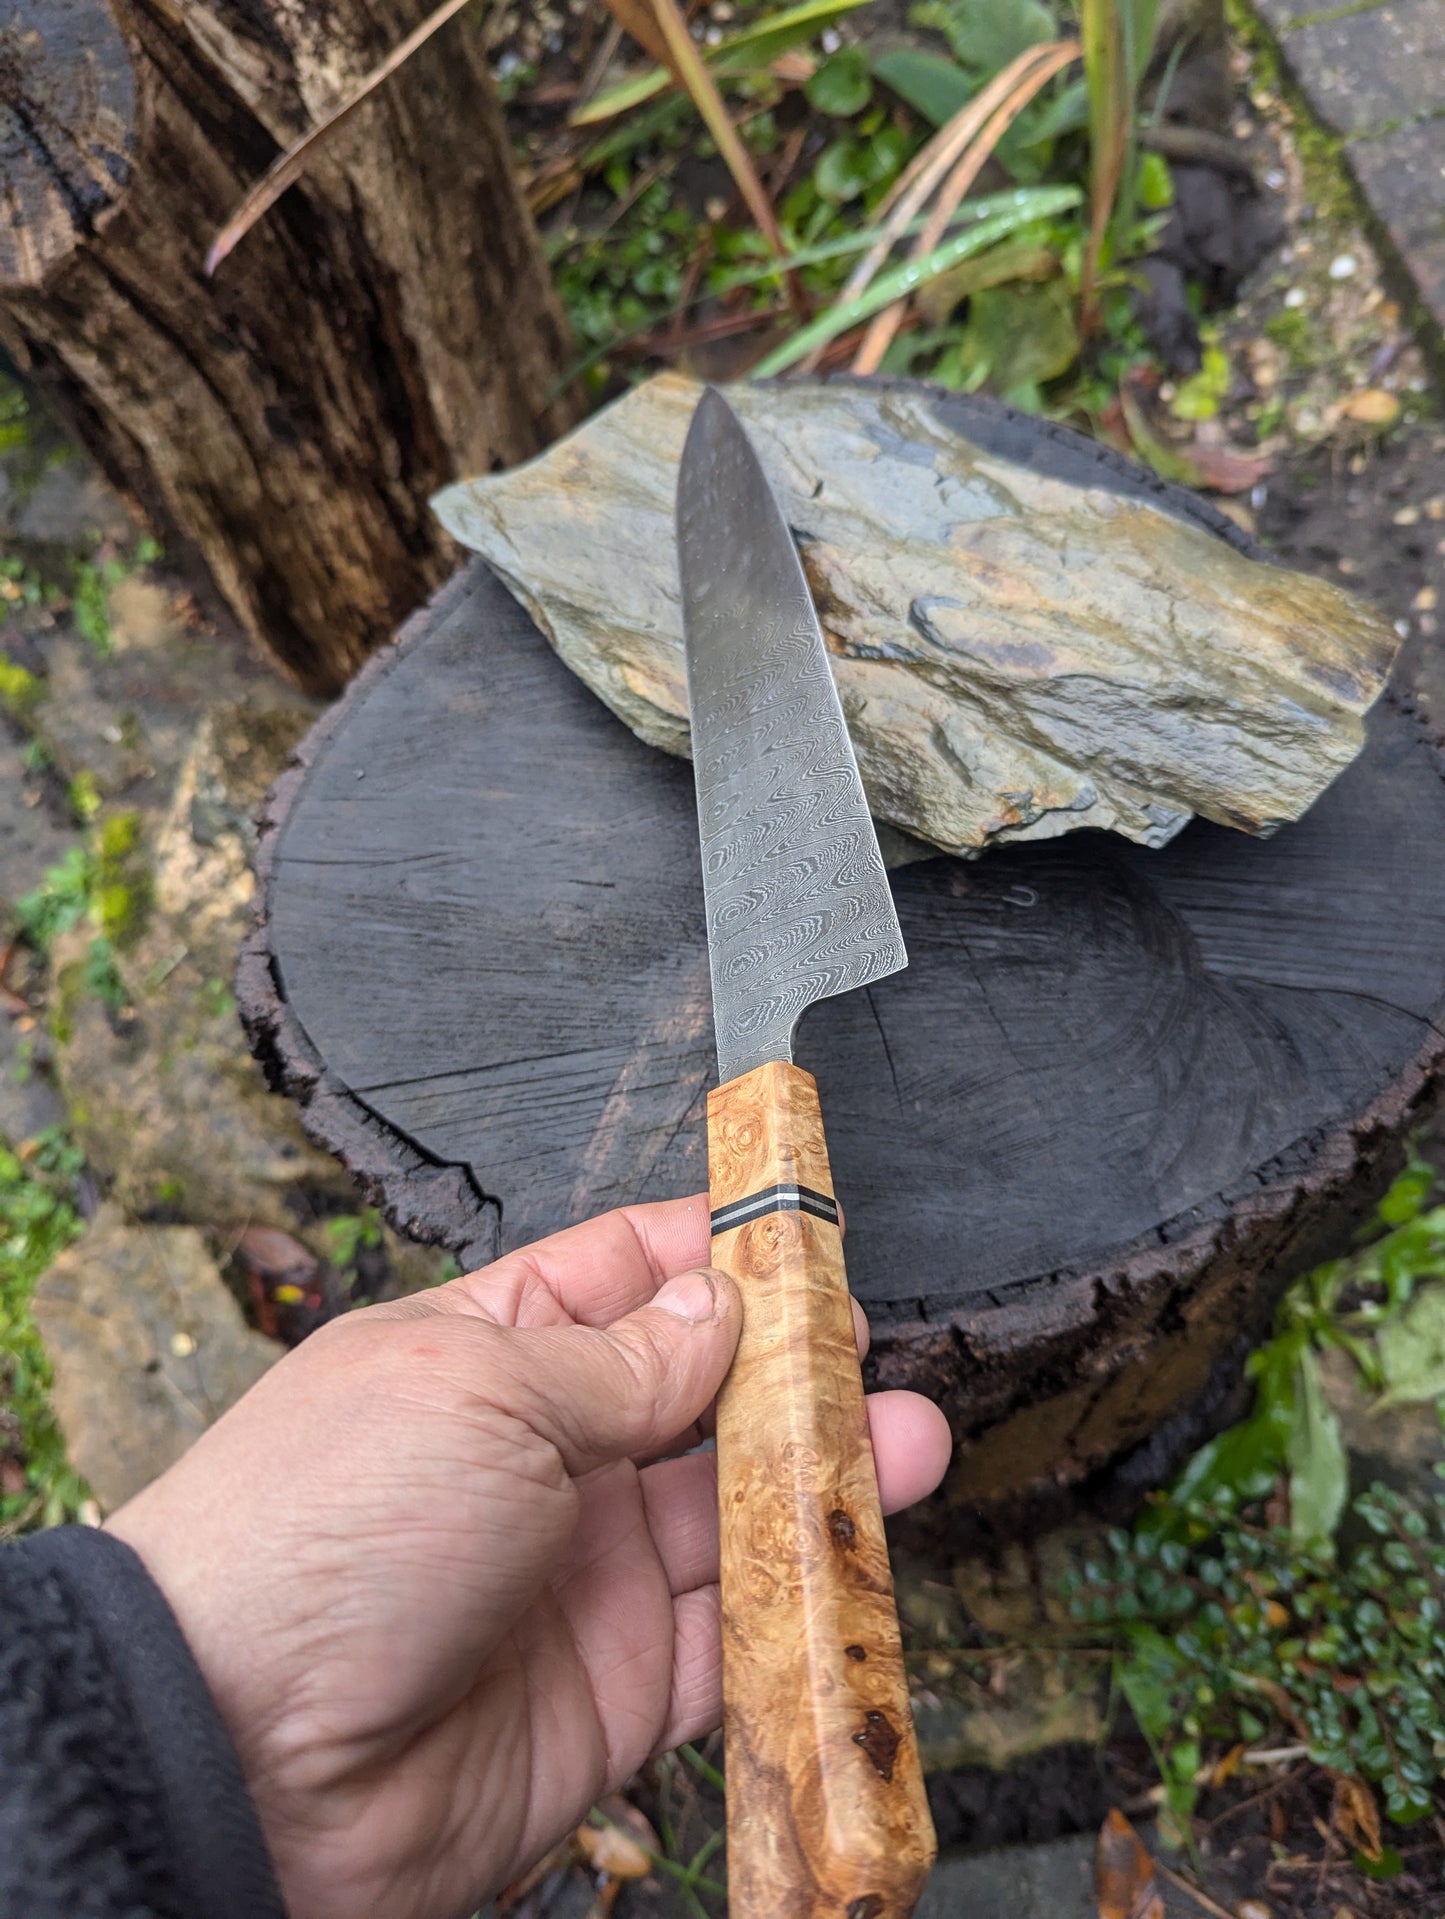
{"type": "Point", "coordinates": [827, 1813]}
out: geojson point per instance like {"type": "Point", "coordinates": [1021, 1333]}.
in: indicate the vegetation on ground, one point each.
{"type": "Point", "coordinates": [1255, 1604]}
{"type": "Point", "coordinates": [38, 1220]}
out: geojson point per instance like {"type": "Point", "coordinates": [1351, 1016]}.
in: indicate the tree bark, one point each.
{"type": "Point", "coordinates": [389, 324]}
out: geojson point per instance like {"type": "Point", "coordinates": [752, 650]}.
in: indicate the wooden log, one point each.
{"type": "Point", "coordinates": [389, 324]}
{"type": "Point", "coordinates": [1118, 1099]}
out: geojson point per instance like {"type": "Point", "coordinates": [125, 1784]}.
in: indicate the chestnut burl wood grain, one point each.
{"type": "Point", "coordinates": [826, 1806]}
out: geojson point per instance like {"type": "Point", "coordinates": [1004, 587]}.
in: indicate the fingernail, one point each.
{"type": "Point", "coordinates": [691, 1296]}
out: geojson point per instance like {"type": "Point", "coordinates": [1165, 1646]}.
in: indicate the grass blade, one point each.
{"type": "Point", "coordinates": [692, 72]}
{"type": "Point", "coordinates": [969, 164]}
{"type": "Point", "coordinates": [1107, 29]}
{"type": "Point", "coordinates": [846, 313]}
{"type": "Point", "coordinates": [918, 180]}
{"type": "Point", "coordinates": [753, 46]}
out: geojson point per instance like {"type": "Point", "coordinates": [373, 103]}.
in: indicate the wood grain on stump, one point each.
{"type": "Point", "coordinates": [1118, 1099]}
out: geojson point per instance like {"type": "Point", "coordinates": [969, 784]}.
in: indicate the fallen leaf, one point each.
{"type": "Point", "coordinates": [1124, 1883]}
{"type": "Point", "coordinates": [1227, 1767]}
{"type": "Point", "coordinates": [620, 1812]}
{"type": "Point", "coordinates": [1372, 406]}
{"type": "Point", "coordinates": [275, 1255]}
{"type": "Point", "coordinates": [609, 1849]}
{"type": "Point", "coordinates": [1223, 469]}
{"type": "Point", "coordinates": [1227, 469]}
{"type": "Point", "coordinates": [1357, 1816]}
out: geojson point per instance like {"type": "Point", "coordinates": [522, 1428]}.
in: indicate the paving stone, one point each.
{"type": "Point", "coordinates": [148, 1348]}
{"type": "Point", "coordinates": [1281, 15]}
{"type": "Point", "coordinates": [1402, 175]}
{"type": "Point", "coordinates": [31, 837]}
{"type": "Point", "coordinates": [1053, 1881]}
{"type": "Point", "coordinates": [1373, 70]}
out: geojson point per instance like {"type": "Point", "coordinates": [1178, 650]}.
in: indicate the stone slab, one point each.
{"type": "Point", "coordinates": [1371, 71]}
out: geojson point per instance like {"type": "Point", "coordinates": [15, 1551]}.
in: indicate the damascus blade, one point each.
{"type": "Point", "coordinates": [798, 902]}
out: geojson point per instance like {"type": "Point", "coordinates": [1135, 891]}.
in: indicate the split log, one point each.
{"type": "Point", "coordinates": [389, 324]}
{"type": "Point", "coordinates": [1119, 1098]}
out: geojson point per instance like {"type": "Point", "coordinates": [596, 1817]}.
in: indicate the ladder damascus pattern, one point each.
{"type": "Point", "coordinates": [798, 903]}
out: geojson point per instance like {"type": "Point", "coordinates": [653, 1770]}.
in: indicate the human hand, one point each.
{"type": "Point", "coordinates": [443, 1579]}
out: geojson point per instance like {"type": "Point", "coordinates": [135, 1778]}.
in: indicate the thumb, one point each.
{"type": "Point", "coordinates": [605, 1393]}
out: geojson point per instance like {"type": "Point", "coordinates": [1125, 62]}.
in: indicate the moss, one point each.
{"type": "Point", "coordinates": [1327, 182]}
{"type": "Point", "coordinates": [1290, 330]}
{"type": "Point", "coordinates": [20, 692]}
{"type": "Point", "coordinates": [123, 890]}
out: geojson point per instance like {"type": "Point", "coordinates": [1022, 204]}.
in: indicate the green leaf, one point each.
{"type": "Point", "coordinates": [986, 36]}
{"type": "Point", "coordinates": [1155, 183]}
{"type": "Point", "coordinates": [1319, 1473]}
{"type": "Point", "coordinates": [1150, 1673]}
{"type": "Point", "coordinates": [746, 51]}
{"type": "Point", "coordinates": [933, 85]}
{"type": "Point", "coordinates": [1017, 259]}
{"type": "Point", "coordinates": [1407, 1194]}
{"type": "Point", "coordinates": [1024, 333]}
{"type": "Point", "coordinates": [1199, 397]}
{"type": "Point", "coordinates": [1412, 1349]}
{"type": "Point", "coordinates": [1389, 1865]}
{"type": "Point", "coordinates": [1039, 203]}
{"type": "Point", "coordinates": [842, 172]}
{"type": "Point", "coordinates": [841, 86]}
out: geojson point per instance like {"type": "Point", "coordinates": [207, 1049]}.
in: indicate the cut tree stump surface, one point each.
{"type": "Point", "coordinates": [1117, 1100]}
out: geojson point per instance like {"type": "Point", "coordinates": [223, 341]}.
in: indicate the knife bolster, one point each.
{"type": "Point", "coordinates": [826, 1808]}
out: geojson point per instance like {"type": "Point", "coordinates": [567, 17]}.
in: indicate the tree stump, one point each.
{"type": "Point", "coordinates": [389, 324]}
{"type": "Point", "coordinates": [1117, 1101]}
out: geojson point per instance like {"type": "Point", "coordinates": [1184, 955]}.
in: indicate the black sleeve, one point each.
{"type": "Point", "coordinates": [121, 1796]}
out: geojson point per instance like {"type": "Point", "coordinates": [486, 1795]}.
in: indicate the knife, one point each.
{"type": "Point", "coordinates": [826, 1808]}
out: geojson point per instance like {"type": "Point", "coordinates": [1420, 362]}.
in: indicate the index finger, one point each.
{"type": "Point", "coordinates": [591, 1274]}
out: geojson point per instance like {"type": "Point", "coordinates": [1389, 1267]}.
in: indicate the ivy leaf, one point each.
{"type": "Point", "coordinates": [841, 86]}
{"type": "Point", "coordinates": [1412, 1349]}
{"type": "Point", "coordinates": [1319, 1474]}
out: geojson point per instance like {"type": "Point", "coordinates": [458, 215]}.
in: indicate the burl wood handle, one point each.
{"type": "Point", "coordinates": [826, 1808]}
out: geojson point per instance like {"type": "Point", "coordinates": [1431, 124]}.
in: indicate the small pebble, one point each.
{"type": "Point", "coordinates": [1296, 297]}
{"type": "Point", "coordinates": [1402, 627]}
{"type": "Point", "coordinates": [182, 1345]}
{"type": "Point", "coordinates": [715, 207]}
{"type": "Point", "coordinates": [1435, 509]}
{"type": "Point", "coordinates": [1253, 1909]}
{"type": "Point", "coordinates": [1274, 179]}
{"type": "Point", "coordinates": [361, 772]}
{"type": "Point", "coordinates": [1258, 494]}
{"type": "Point", "coordinates": [1347, 566]}
{"type": "Point", "coordinates": [830, 39]}
{"type": "Point", "coordinates": [1426, 600]}
{"type": "Point", "coordinates": [1406, 516]}
{"type": "Point", "coordinates": [1344, 266]}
